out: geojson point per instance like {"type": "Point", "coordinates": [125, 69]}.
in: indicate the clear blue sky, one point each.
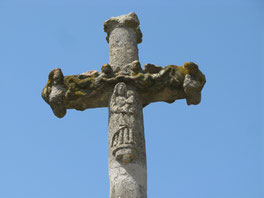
{"type": "Point", "coordinates": [213, 150]}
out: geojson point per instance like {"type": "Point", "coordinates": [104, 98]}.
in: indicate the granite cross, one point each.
{"type": "Point", "coordinates": [125, 88]}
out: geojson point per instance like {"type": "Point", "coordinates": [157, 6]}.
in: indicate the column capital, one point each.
{"type": "Point", "coordinates": [124, 21]}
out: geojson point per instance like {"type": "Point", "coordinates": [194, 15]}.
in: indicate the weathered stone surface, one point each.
{"type": "Point", "coordinates": [152, 69]}
{"type": "Point", "coordinates": [81, 92]}
{"type": "Point", "coordinates": [54, 92]}
{"type": "Point", "coordinates": [125, 88]}
{"type": "Point", "coordinates": [127, 153]}
{"type": "Point", "coordinates": [91, 73]}
{"type": "Point", "coordinates": [122, 51]}
{"type": "Point", "coordinates": [130, 20]}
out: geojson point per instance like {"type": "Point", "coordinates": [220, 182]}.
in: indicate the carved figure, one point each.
{"type": "Point", "coordinates": [122, 105]}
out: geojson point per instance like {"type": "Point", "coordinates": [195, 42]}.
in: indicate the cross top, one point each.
{"type": "Point", "coordinates": [123, 51]}
{"type": "Point", "coordinates": [125, 88]}
{"type": "Point", "coordinates": [123, 21]}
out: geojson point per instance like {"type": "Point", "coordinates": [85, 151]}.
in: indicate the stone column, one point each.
{"type": "Point", "coordinates": [123, 35]}
{"type": "Point", "coordinates": [126, 141]}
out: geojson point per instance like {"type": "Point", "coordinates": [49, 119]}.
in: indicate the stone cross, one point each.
{"type": "Point", "coordinates": [125, 88]}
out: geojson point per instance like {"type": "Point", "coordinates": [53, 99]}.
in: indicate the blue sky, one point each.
{"type": "Point", "coordinates": [214, 149]}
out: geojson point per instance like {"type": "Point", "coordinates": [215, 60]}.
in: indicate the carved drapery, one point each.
{"type": "Point", "coordinates": [122, 107]}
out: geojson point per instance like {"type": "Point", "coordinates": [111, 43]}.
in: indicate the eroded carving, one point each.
{"type": "Point", "coordinates": [93, 89]}
{"type": "Point", "coordinates": [122, 106]}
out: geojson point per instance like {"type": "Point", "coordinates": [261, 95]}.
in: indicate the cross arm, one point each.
{"type": "Point", "coordinates": [93, 89]}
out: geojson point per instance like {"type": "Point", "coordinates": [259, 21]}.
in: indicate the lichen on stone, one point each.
{"type": "Point", "coordinates": [93, 89]}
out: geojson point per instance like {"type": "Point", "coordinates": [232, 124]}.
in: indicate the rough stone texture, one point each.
{"type": "Point", "coordinates": [55, 93]}
{"type": "Point", "coordinates": [82, 92]}
{"type": "Point", "coordinates": [152, 69]}
{"type": "Point", "coordinates": [126, 141]}
{"type": "Point", "coordinates": [123, 51]}
{"type": "Point", "coordinates": [124, 87]}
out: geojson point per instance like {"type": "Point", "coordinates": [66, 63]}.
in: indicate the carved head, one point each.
{"type": "Point", "coordinates": [121, 89]}
{"type": "Point", "coordinates": [56, 76]}
{"type": "Point", "coordinates": [130, 93]}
